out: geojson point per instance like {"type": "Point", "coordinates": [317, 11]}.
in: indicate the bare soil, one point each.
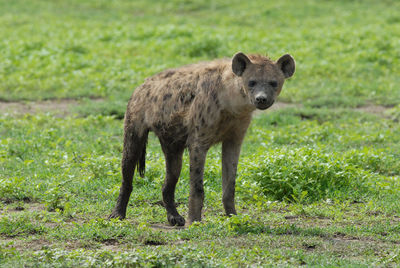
{"type": "Point", "coordinates": [166, 228]}
{"type": "Point", "coordinates": [59, 107]}
{"type": "Point", "coordinates": [373, 109]}
{"type": "Point", "coordinates": [30, 207]}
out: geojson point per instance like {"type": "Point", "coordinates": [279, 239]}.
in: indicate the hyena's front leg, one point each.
{"type": "Point", "coordinates": [196, 197]}
{"type": "Point", "coordinates": [230, 158]}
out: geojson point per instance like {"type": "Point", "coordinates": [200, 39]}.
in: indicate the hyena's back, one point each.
{"type": "Point", "coordinates": [178, 101]}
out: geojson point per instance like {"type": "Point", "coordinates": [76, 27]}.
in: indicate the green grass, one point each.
{"type": "Point", "coordinates": [60, 178]}
{"type": "Point", "coordinates": [318, 183]}
{"type": "Point", "coordinates": [346, 54]}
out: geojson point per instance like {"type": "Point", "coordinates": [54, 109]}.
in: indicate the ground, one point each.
{"type": "Point", "coordinates": [318, 178]}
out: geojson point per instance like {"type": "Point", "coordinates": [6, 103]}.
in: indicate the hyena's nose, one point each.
{"type": "Point", "coordinates": [261, 99]}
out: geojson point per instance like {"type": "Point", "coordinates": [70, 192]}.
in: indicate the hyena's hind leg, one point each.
{"type": "Point", "coordinates": [173, 161]}
{"type": "Point", "coordinates": [133, 156]}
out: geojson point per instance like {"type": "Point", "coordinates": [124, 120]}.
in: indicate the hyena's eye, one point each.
{"type": "Point", "coordinates": [252, 83]}
{"type": "Point", "coordinates": [273, 83]}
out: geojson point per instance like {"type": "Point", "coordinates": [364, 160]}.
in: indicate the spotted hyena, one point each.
{"type": "Point", "coordinates": [195, 107]}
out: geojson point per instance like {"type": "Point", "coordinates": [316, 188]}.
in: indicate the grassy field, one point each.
{"type": "Point", "coordinates": [318, 180]}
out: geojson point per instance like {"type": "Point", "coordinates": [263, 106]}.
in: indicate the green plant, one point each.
{"type": "Point", "coordinates": [305, 175]}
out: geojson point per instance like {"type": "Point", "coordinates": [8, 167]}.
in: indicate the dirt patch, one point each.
{"type": "Point", "coordinates": [36, 207]}
{"type": "Point", "coordinates": [61, 108]}
{"type": "Point", "coordinates": [17, 208]}
{"type": "Point", "coordinates": [115, 248]}
{"type": "Point", "coordinates": [22, 245]}
{"type": "Point", "coordinates": [166, 228]}
{"type": "Point", "coordinates": [307, 222]}
{"type": "Point", "coordinates": [369, 108]}
{"type": "Point", "coordinates": [373, 109]}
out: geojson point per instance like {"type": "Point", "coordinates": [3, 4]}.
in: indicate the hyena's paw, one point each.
{"type": "Point", "coordinates": [116, 215]}
{"type": "Point", "coordinates": [176, 220]}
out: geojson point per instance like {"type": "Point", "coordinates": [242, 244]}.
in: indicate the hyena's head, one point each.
{"type": "Point", "coordinates": [262, 78]}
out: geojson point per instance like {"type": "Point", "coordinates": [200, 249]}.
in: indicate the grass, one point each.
{"type": "Point", "coordinates": [347, 56]}
{"type": "Point", "coordinates": [293, 195]}
{"type": "Point", "coordinates": [318, 182]}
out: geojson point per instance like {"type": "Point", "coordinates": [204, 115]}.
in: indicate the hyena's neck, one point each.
{"type": "Point", "coordinates": [233, 94]}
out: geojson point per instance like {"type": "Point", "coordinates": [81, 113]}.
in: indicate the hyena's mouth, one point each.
{"type": "Point", "coordinates": [265, 105]}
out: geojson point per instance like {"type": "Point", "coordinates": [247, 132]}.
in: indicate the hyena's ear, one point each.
{"type": "Point", "coordinates": [287, 65]}
{"type": "Point", "coordinates": [239, 63]}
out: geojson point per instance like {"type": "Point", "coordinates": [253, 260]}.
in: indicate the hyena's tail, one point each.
{"type": "Point", "coordinates": [140, 151]}
{"type": "Point", "coordinates": [134, 151]}
{"type": "Point", "coordinates": [133, 157]}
